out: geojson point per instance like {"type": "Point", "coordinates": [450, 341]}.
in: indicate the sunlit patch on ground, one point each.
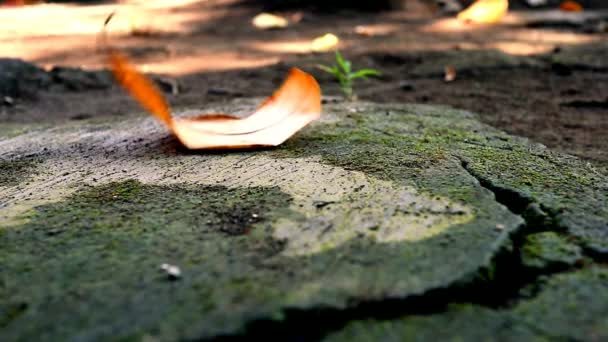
{"type": "Point", "coordinates": [375, 209]}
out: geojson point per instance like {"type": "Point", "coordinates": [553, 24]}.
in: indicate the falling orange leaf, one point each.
{"type": "Point", "coordinates": [571, 6]}
{"type": "Point", "coordinates": [485, 11]}
{"type": "Point", "coordinates": [294, 105]}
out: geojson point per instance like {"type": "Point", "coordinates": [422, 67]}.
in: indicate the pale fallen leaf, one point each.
{"type": "Point", "coordinates": [267, 21]}
{"type": "Point", "coordinates": [324, 43]}
{"type": "Point", "coordinates": [363, 30]}
{"type": "Point", "coordinates": [570, 6]}
{"type": "Point", "coordinates": [536, 3]}
{"type": "Point", "coordinates": [294, 105]}
{"type": "Point", "coordinates": [374, 30]}
{"type": "Point", "coordinates": [449, 73]}
{"type": "Point", "coordinates": [485, 11]}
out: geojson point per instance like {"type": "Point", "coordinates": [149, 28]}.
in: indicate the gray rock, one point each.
{"type": "Point", "coordinates": [21, 79]}
{"type": "Point", "coordinates": [74, 79]}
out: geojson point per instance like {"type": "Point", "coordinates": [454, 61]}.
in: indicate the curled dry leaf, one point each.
{"type": "Point", "coordinates": [294, 105]}
{"type": "Point", "coordinates": [267, 21]}
{"type": "Point", "coordinates": [485, 11]}
{"type": "Point", "coordinates": [570, 6]}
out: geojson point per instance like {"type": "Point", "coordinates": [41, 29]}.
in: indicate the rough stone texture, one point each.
{"type": "Point", "coordinates": [570, 307]}
{"type": "Point", "coordinates": [370, 203]}
{"type": "Point", "coordinates": [20, 78]}
{"type": "Point", "coordinates": [460, 323]}
{"type": "Point", "coordinates": [588, 56]}
{"type": "Point", "coordinates": [75, 79]}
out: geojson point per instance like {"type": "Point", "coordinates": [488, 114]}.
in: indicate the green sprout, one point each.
{"type": "Point", "coordinates": [345, 75]}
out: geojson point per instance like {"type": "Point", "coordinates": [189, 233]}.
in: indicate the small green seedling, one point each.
{"type": "Point", "coordinates": [343, 72]}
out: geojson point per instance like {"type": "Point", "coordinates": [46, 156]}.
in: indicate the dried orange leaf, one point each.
{"type": "Point", "coordinates": [324, 43]}
{"type": "Point", "coordinates": [294, 105]}
{"type": "Point", "coordinates": [266, 21]}
{"type": "Point", "coordinates": [571, 6]}
{"type": "Point", "coordinates": [485, 11]}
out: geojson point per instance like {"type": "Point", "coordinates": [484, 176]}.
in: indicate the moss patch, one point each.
{"type": "Point", "coordinates": [549, 251]}
{"type": "Point", "coordinates": [413, 145]}
{"type": "Point", "coordinates": [96, 256]}
{"type": "Point", "coordinates": [563, 192]}
{"type": "Point", "coordinates": [89, 267]}
{"type": "Point", "coordinates": [8, 130]}
{"type": "Point", "coordinates": [569, 307]}
{"type": "Point", "coordinates": [460, 323]}
{"type": "Point", "coordinates": [391, 144]}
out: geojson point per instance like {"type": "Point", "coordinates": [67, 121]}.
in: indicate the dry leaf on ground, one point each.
{"type": "Point", "coordinates": [267, 21]}
{"type": "Point", "coordinates": [294, 105]}
{"type": "Point", "coordinates": [485, 11]}
{"type": "Point", "coordinates": [571, 6]}
{"type": "Point", "coordinates": [324, 43]}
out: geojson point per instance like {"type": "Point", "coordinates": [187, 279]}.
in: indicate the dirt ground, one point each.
{"type": "Point", "coordinates": [511, 73]}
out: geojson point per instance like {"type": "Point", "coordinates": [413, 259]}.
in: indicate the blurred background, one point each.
{"type": "Point", "coordinates": [539, 71]}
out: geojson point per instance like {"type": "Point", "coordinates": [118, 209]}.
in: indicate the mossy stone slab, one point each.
{"type": "Point", "coordinates": [371, 202]}
{"type": "Point", "coordinates": [459, 323]}
{"type": "Point", "coordinates": [569, 307]}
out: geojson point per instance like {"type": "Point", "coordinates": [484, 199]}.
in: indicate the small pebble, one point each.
{"type": "Point", "coordinates": [406, 85]}
{"type": "Point", "coordinates": [173, 272]}
{"type": "Point", "coordinates": [500, 227]}
{"type": "Point", "coordinates": [7, 100]}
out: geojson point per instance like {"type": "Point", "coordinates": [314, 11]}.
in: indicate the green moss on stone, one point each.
{"type": "Point", "coordinates": [548, 250]}
{"type": "Point", "coordinates": [570, 307]}
{"type": "Point", "coordinates": [567, 192]}
{"type": "Point", "coordinates": [89, 267]}
{"type": "Point", "coordinates": [8, 130]}
{"type": "Point", "coordinates": [388, 144]}
{"type": "Point", "coordinates": [96, 256]}
{"type": "Point", "coordinates": [459, 323]}
{"type": "Point", "coordinates": [413, 143]}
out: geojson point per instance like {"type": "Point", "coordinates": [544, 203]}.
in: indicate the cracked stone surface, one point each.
{"type": "Point", "coordinates": [371, 203]}
{"type": "Point", "coordinates": [571, 306]}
